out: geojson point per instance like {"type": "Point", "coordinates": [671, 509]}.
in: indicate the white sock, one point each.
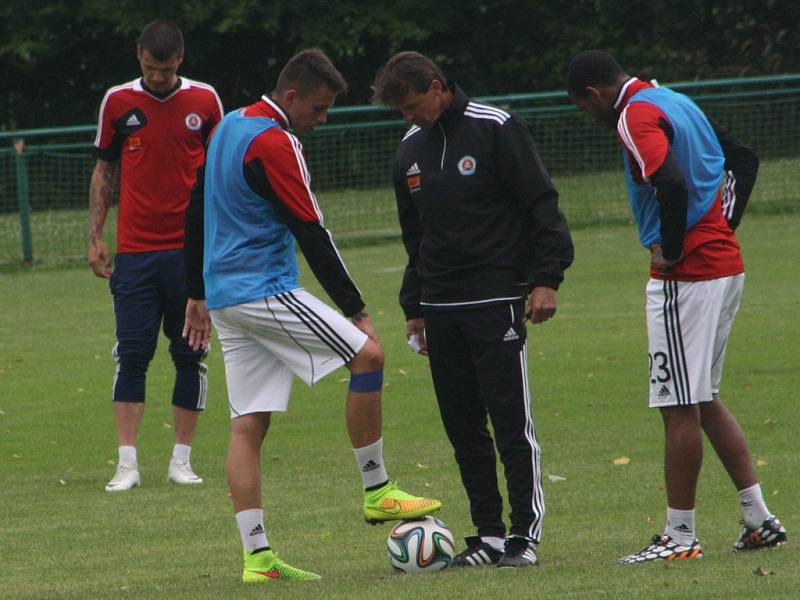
{"type": "Point", "coordinates": [251, 528]}
{"type": "Point", "coordinates": [127, 456]}
{"type": "Point", "coordinates": [680, 526]}
{"type": "Point", "coordinates": [753, 506]}
{"type": "Point", "coordinates": [181, 452]}
{"type": "Point", "coordinates": [370, 464]}
{"type": "Point", "coordinates": [497, 543]}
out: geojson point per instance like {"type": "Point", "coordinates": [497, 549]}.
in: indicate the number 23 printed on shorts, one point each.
{"type": "Point", "coordinates": [659, 368]}
{"type": "Point", "coordinates": [660, 378]}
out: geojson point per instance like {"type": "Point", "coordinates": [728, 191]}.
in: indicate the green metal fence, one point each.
{"type": "Point", "coordinates": [44, 173]}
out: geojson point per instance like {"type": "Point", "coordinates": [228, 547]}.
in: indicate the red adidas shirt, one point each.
{"type": "Point", "coordinates": [160, 142]}
{"type": "Point", "coordinates": [281, 157]}
{"type": "Point", "coordinates": [710, 248]}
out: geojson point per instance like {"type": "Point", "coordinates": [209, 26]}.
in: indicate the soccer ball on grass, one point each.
{"type": "Point", "coordinates": [420, 546]}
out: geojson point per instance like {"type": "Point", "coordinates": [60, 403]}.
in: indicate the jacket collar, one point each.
{"type": "Point", "coordinates": [275, 112]}
{"type": "Point", "coordinates": [267, 107]}
{"type": "Point", "coordinates": [630, 87]}
{"type": "Point", "coordinates": [453, 113]}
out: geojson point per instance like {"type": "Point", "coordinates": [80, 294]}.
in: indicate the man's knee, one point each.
{"type": "Point", "coordinates": [184, 358]}
{"type": "Point", "coordinates": [133, 359]}
{"type": "Point", "coordinates": [369, 358]}
{"type": "Point", "coordinates": [252, 426]}
{"type": "Point", "coordinates": [468, 449]}
{"type": "Point", "coordinates": [191, 386]}
{"type": "Point", "coordinates": [133, 356]}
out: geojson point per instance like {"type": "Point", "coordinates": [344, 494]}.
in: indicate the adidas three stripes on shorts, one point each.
{"type": "Point", "coordinates": [688, 323]}
{"type": "Point", "coordinates": [267, 341]}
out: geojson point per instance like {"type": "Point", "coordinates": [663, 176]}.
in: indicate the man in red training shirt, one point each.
{"type": "Point", "coordinates": [150, 139]}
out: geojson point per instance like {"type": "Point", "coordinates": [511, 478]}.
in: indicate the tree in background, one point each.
{"type": "Point", "coordinates": [57, 57]}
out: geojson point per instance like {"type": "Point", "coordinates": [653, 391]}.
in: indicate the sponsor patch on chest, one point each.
{"type": "Point", "coordinates": [134, 143]}
{"type": "Point", "coordinates": [467, 165]}
{"type": "Point", "coordinates": [414, 178]}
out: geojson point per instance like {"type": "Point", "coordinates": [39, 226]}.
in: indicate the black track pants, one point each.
{"type": "Point", "coordinates": [479, 365]}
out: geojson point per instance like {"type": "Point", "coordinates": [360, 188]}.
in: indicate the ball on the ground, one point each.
{"type": "Point", "coordinates": [420, 546]}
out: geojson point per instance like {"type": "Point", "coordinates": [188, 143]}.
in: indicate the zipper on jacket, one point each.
{"type": "Point", "coordinates": [444, 147]}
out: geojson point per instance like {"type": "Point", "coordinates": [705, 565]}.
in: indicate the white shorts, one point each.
{"type": "Point", "coordinates": [264, 342]}
{"type": "Point", "coordinates": [688, 323]}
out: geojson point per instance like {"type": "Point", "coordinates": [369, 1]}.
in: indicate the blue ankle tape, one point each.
{"type": "Point", "coordinates": [366, 382]}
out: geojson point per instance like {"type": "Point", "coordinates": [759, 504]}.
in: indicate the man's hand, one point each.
{"type": "Point", "coordinates": [541, 305]}
{"type": "Point", "coordinates": [99, 259]}
{"type": "Point", "coordinates": [197, 326]}
{"type": "Point", "coordinates": [658, 262]}
{"type": "Point", "coordinates": [362, 321]}
{"type": "Point", "coordinates": [415, 329]}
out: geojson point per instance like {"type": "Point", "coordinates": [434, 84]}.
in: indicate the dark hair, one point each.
{"type": "Point", "coordinates": [162, 39]}
{"type": "Point", "coordinates": [306, 71]}
{"type": "Point", "coordinates": [592, 68]}
{"type": "Point", "coordinates": [402, 73]}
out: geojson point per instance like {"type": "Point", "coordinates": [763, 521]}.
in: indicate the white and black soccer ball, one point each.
{"type": "Point", "coordinates": [420, 546]}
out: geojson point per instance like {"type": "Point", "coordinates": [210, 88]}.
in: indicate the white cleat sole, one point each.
{"type": "Point", "coordinates": [197, 481]}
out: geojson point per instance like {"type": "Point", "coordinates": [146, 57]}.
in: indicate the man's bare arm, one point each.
{"type": "Point", "coordinates": [101, 193]}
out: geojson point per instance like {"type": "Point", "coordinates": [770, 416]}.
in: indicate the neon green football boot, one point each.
{"type": "Point", "coordinates": [390, 503]}
{"type": "Point", "coordinates": [266, 566]}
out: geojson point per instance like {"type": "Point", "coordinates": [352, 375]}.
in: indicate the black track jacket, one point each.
{"type": "Point", "coordinates": [479, 215]}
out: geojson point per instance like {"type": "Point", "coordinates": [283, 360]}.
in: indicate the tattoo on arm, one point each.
{"type": "Point", "coordinates": [101, 194]}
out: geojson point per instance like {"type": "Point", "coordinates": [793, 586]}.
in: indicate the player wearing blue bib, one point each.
{"type": "Point", "coordinates": [252, 202]}
{"type": "Point", "coordinates": [675, 163]}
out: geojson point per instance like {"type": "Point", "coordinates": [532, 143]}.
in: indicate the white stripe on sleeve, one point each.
{"type": "Point", "coordinates": [627, 139]}
{"type": "Point", "coordinates": [301, 165]}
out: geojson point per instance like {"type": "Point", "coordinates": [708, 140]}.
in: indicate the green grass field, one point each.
{"type": "Point", "coordinates": [62, 536]}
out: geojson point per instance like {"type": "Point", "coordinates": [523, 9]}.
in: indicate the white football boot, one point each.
{"type": "Point", "coordinates": [181, 472]}
{"type": "Point", "coordinates": [125, 478]}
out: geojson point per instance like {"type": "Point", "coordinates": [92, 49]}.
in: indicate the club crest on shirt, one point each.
{"type": "Point", "coordinates": [467, 165]}
{"type": "Point", "coordinates": [193, 121]}
{"type": "Point", "coordinates": [413, 177]}
{"type": "Point", "coordinates": [134, 143]}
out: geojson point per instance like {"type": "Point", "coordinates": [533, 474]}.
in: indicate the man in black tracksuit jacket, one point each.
{"type": "Point", "coordinates": [487, 248]}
